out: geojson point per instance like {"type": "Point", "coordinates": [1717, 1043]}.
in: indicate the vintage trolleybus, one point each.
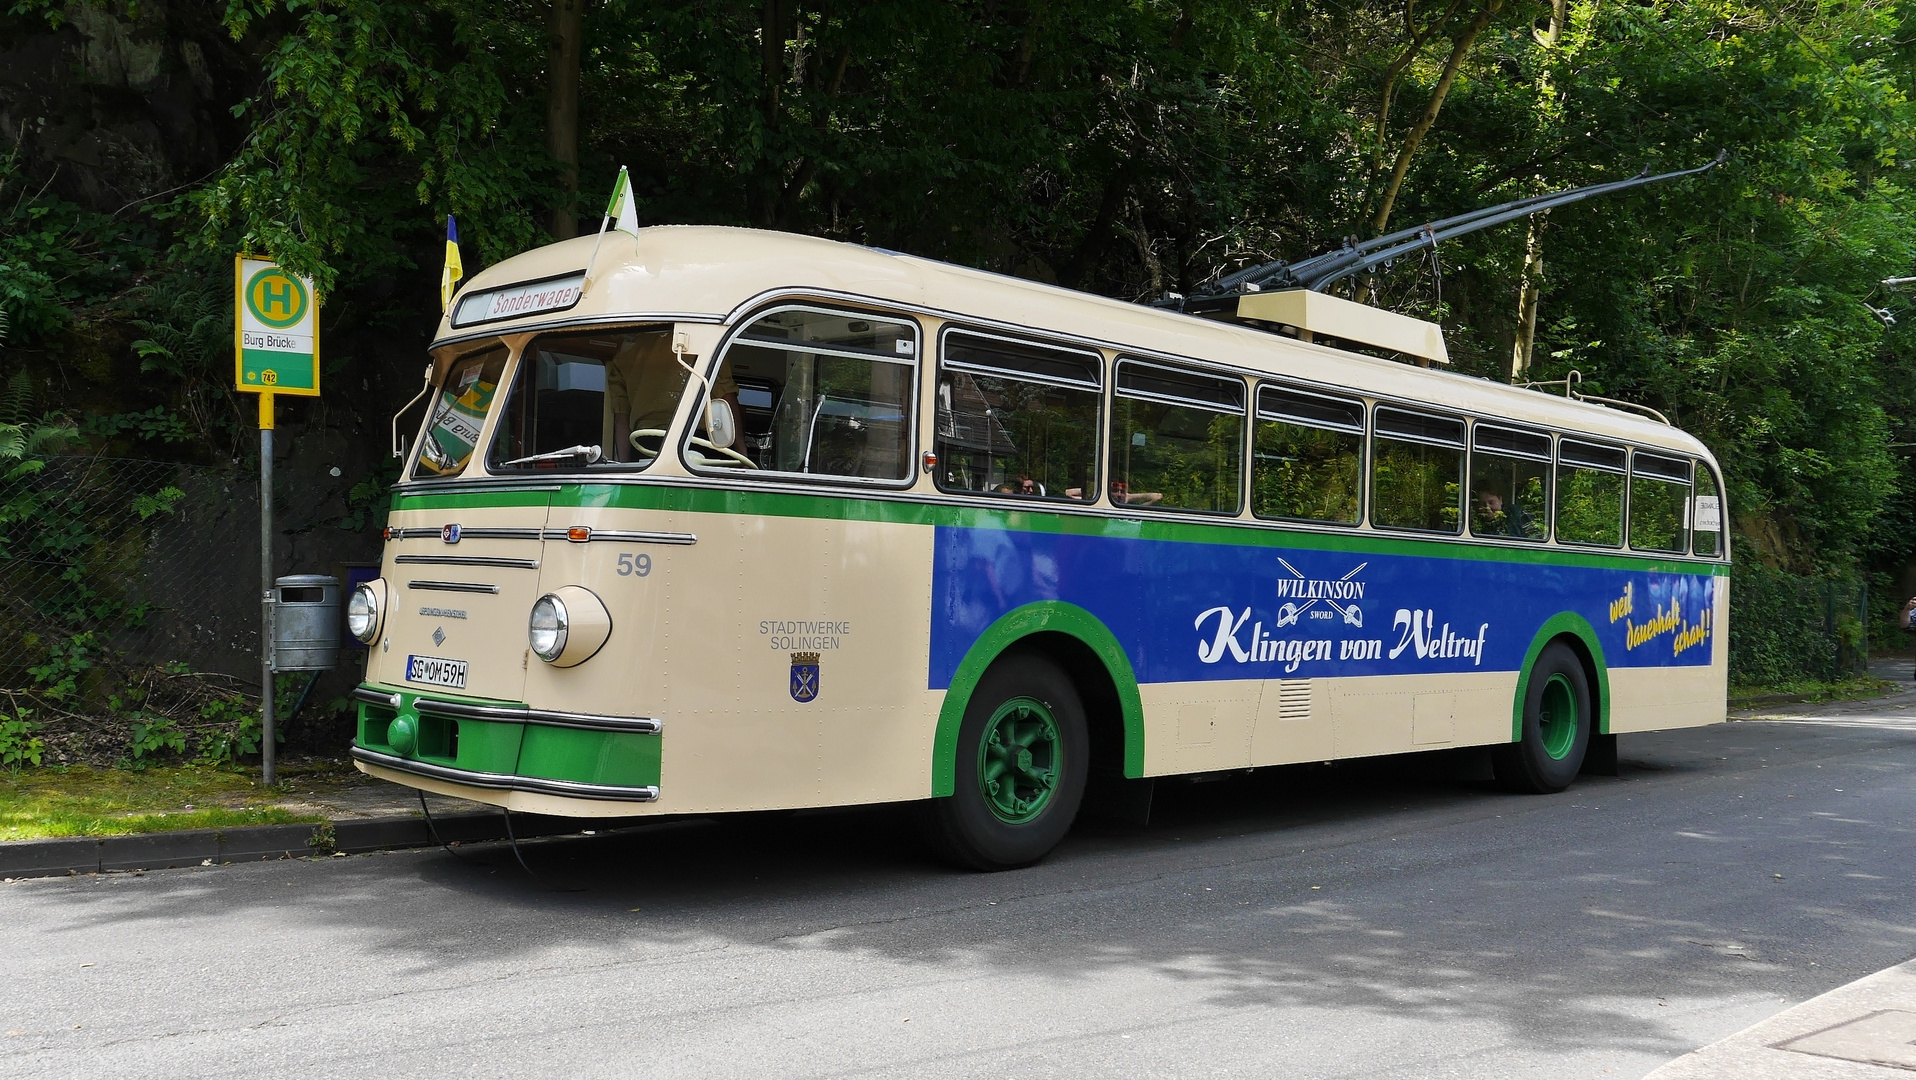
{"type": "Point", "coordinates": [737, 520]}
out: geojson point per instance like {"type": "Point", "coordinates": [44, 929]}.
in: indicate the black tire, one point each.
{"type": "Point", "coordinates": [1020, 693]}
{"type": "Point", "coordinates": [1550, 753]}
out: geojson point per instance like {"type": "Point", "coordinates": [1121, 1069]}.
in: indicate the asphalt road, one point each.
{"type": "Point", "coordinates": [1395, 919]}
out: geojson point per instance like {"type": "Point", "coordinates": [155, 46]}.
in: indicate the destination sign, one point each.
{"type": "Point", "coordinates": [514, 301]}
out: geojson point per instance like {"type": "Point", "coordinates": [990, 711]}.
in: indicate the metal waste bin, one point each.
{"type": "Point", "coordinates": [306, 624]}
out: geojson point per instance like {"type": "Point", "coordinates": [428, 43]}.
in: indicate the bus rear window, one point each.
{"type": "Point", "coordinates": [459, 413]}
{"type": "Point", "coordinates": [602, 399]}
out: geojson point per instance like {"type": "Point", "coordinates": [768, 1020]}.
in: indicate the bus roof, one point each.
{"type": "Point", "coordinates": [706, 273]}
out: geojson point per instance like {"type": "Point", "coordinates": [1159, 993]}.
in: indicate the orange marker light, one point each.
{"type": "Point", "coordinates": [579, 534]}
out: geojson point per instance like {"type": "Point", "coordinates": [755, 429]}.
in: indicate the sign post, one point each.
{"type": "Point", "coordinates": [275, 351]}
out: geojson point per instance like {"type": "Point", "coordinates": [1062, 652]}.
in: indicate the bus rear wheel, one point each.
{"type": "Point", "coordinates": [1020, 769]}
{"type": "Point", "coordinates": [1556, 726]}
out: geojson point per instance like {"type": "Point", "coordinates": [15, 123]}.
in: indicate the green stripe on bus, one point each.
{"type": "Point", "coordinates": [1562, 624]}
{"type": "Point", "coordinates": [853, 508]}
{"type": "Point", "coordinates": [1050, 616]}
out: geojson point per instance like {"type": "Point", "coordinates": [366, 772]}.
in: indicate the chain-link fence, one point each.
{"type": "Point", "coordinates": [1785, 628]}
{"type": "Point", "coordinates": [108, 562]}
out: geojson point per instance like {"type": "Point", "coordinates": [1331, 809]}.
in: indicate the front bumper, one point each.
{"type": "Point", "coordinates": [489, 746]}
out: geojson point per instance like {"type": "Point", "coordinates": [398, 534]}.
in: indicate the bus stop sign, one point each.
{"type": "Point", "coordinates": [277, 329]}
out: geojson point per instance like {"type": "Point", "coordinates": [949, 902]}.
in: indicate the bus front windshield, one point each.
{"type": "Point", "coordinates": [601, 399]}
{"type": "Point", "coordinates": [459, 414]}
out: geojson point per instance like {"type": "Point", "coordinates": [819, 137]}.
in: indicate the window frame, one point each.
{"type": "Point", "coordinates": [1630, 498]}
{"type": "Point", "coordinates": [1549, 459]}
{"type": "Point", "coordinates": [1243, 412]}
{"type": "Point", "coordinates": [1361, 430]}
{"type": "Point", "coordinates": [1462, 445]}
{"type": "Point", "coordinates": [737, 335]}
{"type": "Point", "coordinates": [945, 333]}
{"type": "Point", "coordinates": [1722, 529]}
{"type": "Point", "coordinates": [1623, 508]}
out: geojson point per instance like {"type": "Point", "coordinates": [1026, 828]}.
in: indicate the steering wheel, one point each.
{"type": "Point", "coordinates": [659, 433]}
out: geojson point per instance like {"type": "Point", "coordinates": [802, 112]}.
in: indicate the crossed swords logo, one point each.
{"type": "Point", "coordinates": [1289, 613]}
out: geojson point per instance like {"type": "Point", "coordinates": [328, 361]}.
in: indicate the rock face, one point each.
{"type": "Point", "coordinates": [120, 103]}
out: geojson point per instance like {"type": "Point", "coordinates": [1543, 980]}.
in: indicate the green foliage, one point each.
{"type": "Point", "coordinates": [1785, 628]}
{"type": "Point", "coordinates": [67, 663]}
{"type": "Point", "coordinates": [377, 115]}
{"type": "Point", "coordinates": [234, 733]}
{"type": "Point", "coordinates": [186, 315]}
{"type": "Point", "coordinates": [160, 502]}
{"type": "Point", "coordinates": [1589, 507]}
{"type": "Point", "coordinates": [18, 745]}
{"type": "Point", "coordinates": [154, 737]}
{"type": "Point", "coordinates": [56, 256]}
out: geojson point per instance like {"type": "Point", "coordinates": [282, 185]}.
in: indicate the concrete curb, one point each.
{"type": "Point", "coordinates": [255, 843]}
{"type": "Point", "coordinates": [1860, 1030]}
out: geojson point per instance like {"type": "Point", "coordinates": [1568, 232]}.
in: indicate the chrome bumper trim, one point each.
{"type": "Point", "coordinates": [469, 560]}
{"type": "Point", "coordinates": [386, 698]}
{"type": "Point", "coordinates": [629, 536]}
{"type": "Point", "coordinates": [452, 586]}
{"type": "Point", "coordinates": [569, 789]}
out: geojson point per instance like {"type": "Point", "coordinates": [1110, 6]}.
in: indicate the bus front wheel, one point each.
{"type": "Point", "coordinates": [1020, 769]}
{"type": "Point", "coordinates": [1557, 722]}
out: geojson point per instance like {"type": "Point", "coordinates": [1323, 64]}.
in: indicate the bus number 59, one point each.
{"type": "Point", "coordinates": [631, 565]}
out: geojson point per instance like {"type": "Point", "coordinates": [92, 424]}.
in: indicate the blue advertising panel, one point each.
{"type": "Point", "coordinates": [1187, 611]}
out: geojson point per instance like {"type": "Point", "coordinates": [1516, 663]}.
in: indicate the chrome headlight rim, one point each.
{"type": "Point", "coordinates": [366, 605]}
{"type": "Point", "coordinates": [553, 646]}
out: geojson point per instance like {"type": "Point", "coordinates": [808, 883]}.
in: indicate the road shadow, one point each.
{"type": "Point", "coordinates": [1409, 887]}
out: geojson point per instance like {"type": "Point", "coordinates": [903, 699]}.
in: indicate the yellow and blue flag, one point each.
{"type": "Point", "coordinates": [449, 277]}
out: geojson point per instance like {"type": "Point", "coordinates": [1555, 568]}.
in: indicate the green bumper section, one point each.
{"type": "Point", "coordinates": [509, 746]}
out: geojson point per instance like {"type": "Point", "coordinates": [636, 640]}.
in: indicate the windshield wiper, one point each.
{"type": "Point", "coordinates": [591, 454]}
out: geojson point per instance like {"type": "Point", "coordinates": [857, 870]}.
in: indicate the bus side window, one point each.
{"type": "Point", "coordinates": [1307, 457]}
{"type": "Point", "coordinates": [1177, 439]}
{"type": "Point", "coordinates": [1589, 494]}
{"type": "Point", "coordinates": [819, 393]}
{"type": "Point", "coordinates": [1509, 483]}
{"type": "Point", "coordinates": [1659, 501]}
{"type": "Point", "coordinates": [1417, 471]}
{"type": "Point", "coordinates": [1015, 418]}
{"type": "Point", "coordinates": [1706, 514]}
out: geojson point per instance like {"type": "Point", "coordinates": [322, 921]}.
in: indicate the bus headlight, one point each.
{"type": "Point", "coordinates": [365, 610]}
{"type": "Point", "coordinates": [568, 627]}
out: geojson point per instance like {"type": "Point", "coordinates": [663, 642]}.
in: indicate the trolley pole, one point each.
{"type": "Point", "coordinates": [268, 687]}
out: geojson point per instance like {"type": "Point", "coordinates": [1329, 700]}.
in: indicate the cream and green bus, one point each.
{"type": "Point", "coordinates": [709, 519]}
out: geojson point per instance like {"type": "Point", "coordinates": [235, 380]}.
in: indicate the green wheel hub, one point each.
{"type": "Point", "coordinates": [1557, 717]}
{"type": "Point", "coordinates": [1019, 760]}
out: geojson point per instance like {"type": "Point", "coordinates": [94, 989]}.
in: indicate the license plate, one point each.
{"type": "Point", "coordinates": [436, 671]}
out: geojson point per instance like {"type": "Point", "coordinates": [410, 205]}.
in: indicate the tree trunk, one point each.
{"type": "Point", "coordinates": [564, 41]}
{"type": "Point", "coordinates": [1459, 49]}
{"type": "Point", "coordinates": [1530, 291]}
{"type": "Point", "coordinates": [1527, 296]}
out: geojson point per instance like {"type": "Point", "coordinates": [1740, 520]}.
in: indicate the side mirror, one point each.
{"type": "Point", "coordinates": [721, 423]}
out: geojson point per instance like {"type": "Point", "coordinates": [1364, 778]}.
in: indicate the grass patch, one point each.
{"type": "Point", "coordinates": [80, 800]}
{"type": "Point", "coordinates": [1811, 691]}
